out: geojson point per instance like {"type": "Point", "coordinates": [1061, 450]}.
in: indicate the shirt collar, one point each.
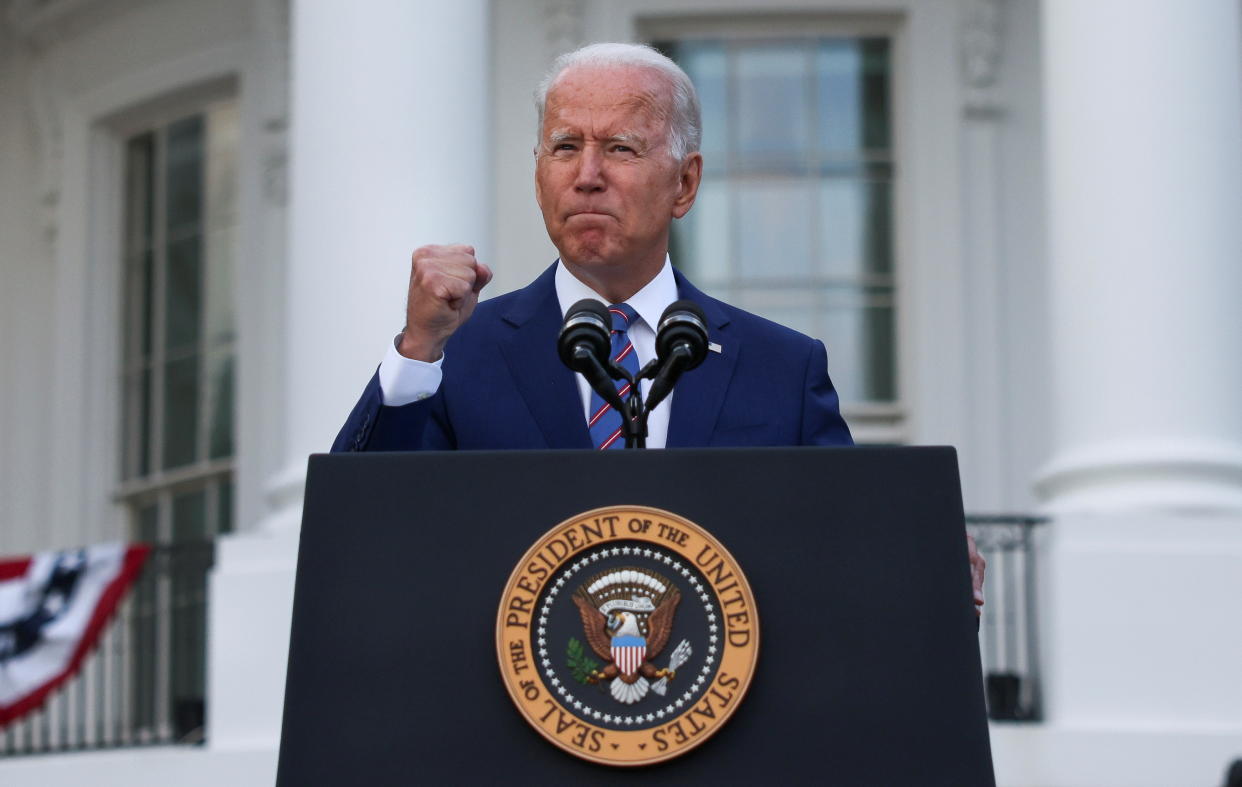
{"type": "Point", "coordinates": [649, 302]}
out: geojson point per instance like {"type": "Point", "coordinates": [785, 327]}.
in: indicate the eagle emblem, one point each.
{"type": "Point", "coordinates": [627, 618]}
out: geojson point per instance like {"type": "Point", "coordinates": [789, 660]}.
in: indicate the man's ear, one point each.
{"type": "Point", "coordinates": [538, 189]}
{"type": "Point", "coordinates": [688, 179]}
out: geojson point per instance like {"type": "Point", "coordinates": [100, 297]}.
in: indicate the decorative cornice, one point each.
{"type": "Point", "coordinates": [45, 115]}
{"type": "Point", "coordinates": [980, 50]}
{"type": "Point", "coordinates": [40, 23]}
{"type": "Point", "coordinates": [564, 22]}
{"type": "Point", "coordinates": [274, 31]}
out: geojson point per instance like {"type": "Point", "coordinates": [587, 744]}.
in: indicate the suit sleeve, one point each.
{"type": "Point", "coordinates": [371, 426]}
{"type": "Point", "coordinates": [822, 423]}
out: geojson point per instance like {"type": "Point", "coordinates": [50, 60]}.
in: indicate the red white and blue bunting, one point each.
{"type": "Point", "coordinates": [53, 608]}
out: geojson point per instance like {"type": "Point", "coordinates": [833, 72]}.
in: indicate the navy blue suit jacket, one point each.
{"type": "Point", "coordinates": [505, 387]}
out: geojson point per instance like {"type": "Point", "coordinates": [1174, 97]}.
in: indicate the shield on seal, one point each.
{"type": "Point", "coordinates": [628, 653]}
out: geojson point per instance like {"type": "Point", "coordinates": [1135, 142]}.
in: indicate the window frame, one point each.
{"type": "Point", "coordinates": [178, 584]}
{"type": "Point", "coordinates": [870, 422]}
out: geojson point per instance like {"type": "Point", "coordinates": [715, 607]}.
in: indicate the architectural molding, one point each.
{"type": "Point", "coordinates": [980, 52]}
{"type": "Point", "coordinates": [273, 17]}
{"type": "Point", "coordinates": [43, 23]}
{"type": "Point", "coordinates": [46, 116]}
{"type": "Point", "coordinates": [39, 22]}
{"type": "Point", "coordinates": [1164, 475]}
{"type": "Point", "coordinates": [565, 25]}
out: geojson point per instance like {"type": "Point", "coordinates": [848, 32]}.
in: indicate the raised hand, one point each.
{"type": "Point", "coordinates": [444, 289]}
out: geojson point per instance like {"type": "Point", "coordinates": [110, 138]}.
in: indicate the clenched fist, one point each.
{"type": "Point", "coordinates": [444, 289]}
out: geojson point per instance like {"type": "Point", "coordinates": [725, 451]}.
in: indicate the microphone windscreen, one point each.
{"type": "Point", "coordinates": [683, 322]}
{"type": "Point", "coordinates": [587, 323]}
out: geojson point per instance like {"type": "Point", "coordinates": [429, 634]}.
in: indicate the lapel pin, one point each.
{"type": "Point", "coordinates": [713, 346]}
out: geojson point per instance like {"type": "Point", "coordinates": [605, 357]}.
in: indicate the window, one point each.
{"type": "Point", "coordinates": [794, 217]}
{"type": "Point", "coordinates": [178, 391]}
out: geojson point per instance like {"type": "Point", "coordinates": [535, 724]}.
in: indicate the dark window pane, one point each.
{"type": "Point", "coordinates": [219, 323]}
{"type": "Point", "coordinates": [136, 423]}
{"type": "Point", "coordinates": [139, 204]}
{"type": "Point", "coordinates": [144, 622]}
{"type": "Point", "coordinates": [853, 96]}
{"type": "Point", "coordinates": [876, 116]}
{"type": "Point", "coordinates": [878, 249]}
{"type": "Point", "coordinates": [220, 393]}
{"type": "Point", "coordinates": [148, 304]}
{"type": "Point", "coordinates": [225, 506]}
{"type": "Point", "coordinates": [183, 301]}
{"type": "Point", "coordinates": [879, 341]}
{"type": "Point", "coordinates": [180, 412]}
{"type": "Point", "coordinates": [139, 289]}
{"type": "Point", "coordinates": [147, 524]}
{"type": "Point", "coordinates": [861, 351]}
{"type": "Point", "coordinates": [191, 559]}
{"type": "Point", "coordinates": [189, 516]}
{"type": "Point", "coordinates": [184, 176]}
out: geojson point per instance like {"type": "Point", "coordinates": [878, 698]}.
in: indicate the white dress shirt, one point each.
{"type": "Point", "coordinates": [404, 380]}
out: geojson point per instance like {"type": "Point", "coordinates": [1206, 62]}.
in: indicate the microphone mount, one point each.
{"type": "Point", "coordinates": [585, 346]}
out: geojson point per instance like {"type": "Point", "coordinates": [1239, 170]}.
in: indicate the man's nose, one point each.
{"type": "Point", "coordinates": [590, 170]}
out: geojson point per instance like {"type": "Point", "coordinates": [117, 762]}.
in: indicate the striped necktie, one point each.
{"type": "Point", "coordinates": [605, 422]}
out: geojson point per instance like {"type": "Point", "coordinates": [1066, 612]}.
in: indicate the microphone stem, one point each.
{"type": "Point", "coordinates": [635, 420]}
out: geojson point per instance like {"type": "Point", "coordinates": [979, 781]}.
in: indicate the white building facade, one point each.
{"type": "Point", "coordinates": [1013, 222]}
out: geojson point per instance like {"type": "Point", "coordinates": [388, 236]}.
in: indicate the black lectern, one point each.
{"type": "Point", "coordinates": [868, 670]}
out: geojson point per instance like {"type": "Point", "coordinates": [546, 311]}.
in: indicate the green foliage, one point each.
{"type": "Point", "coordinates": [580, 665]}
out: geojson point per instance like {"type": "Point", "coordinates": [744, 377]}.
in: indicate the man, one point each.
{"type": "Point", "coordinates": [617, 160]}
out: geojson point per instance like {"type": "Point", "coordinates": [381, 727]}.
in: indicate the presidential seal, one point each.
{"type": "Point", "coordinates": [627, 635]}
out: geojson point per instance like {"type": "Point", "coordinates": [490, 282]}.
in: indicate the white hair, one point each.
{"type": "Point", "coordinates": [685, 124]}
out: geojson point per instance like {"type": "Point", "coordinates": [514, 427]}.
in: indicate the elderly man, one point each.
{"type": "Point", "coordinates": [617, 160]}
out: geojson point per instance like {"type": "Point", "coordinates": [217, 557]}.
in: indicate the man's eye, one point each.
{"type": "Point", "coordinates": [564, 146]}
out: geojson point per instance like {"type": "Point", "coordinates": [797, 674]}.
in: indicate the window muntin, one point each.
{"type": "Point", "coordinates": [178, 391]}
{"type": "Point", "coordinates": [794, 218]}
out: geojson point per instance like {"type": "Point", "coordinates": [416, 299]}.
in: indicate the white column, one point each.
{"type": "Point", "coordinates": [1144, 131]}
{"type": "Point", "coordinates": [1139, 620]}
{"type": "Point", "coordinates": [388, 151]}
{"type": "Point", "coordinates": [389, 148]}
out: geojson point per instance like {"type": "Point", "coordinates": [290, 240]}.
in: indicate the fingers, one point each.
{"type": "Point", "coordinates": [444, 287]}
{"type": "Point", "coordinates": [978, 567]}
{"type": "Point", "coordinates": [447, 273]}
{"type": "Point", "coordinates": [483, 275]}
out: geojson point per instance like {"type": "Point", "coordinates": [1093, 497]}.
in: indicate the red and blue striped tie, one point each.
{"type": "Point", "coordinates": [605, 422]}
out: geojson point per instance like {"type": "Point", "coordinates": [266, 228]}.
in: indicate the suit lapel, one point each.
{"type": "Point", "coordinates": [700, 393]}
{"type": "Point", "coordinates": [544, 383]}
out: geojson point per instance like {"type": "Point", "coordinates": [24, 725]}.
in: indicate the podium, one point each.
{"type": "Point", "coordinates": [868, 668]}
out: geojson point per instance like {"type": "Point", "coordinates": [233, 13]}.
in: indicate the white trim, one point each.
{"type": "Point", "coordinates": [1163, 475]}
{"type": "Point", "coordinates": [85, 391]}
{"type": "Point", "coordinates": [930, 297]}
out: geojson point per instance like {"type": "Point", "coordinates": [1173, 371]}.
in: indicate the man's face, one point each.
{"type": "Point", "coordinates": [604, 178]}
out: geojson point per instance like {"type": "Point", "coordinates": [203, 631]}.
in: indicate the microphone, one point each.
{"type": "Point", "coordinates": [585, 346]}
{"type": "Point", "coordinates": [681, 345]}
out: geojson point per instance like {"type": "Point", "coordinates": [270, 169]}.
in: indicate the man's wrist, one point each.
{"type": "Point", "coordinates": [419, 349]}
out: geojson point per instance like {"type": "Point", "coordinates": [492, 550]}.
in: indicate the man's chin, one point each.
{"type": "Point", "coordinates": [588, 256]}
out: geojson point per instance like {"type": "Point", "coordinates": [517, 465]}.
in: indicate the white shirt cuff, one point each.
{"type": "Point", "coordinates": [404, 380]}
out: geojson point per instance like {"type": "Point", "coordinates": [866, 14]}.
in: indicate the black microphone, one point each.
{"type": "Point", "coordinates": [681, 345]}
{"type": "Point", "coordinates": [585, 346]}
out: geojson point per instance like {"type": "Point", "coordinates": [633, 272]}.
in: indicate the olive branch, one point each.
{"type": "Point", "coordinates": [580, 665]}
